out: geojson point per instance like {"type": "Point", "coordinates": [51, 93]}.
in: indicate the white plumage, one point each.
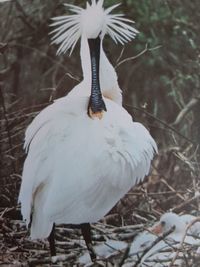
{"type": "Point", "coordinates": [89, 23]}
{"type": "Point", "coordinates": [162, 253]}
{"type": "Point", "coordinates": [195, 228]}
{"type": "Point", "coordinates": [77, 168]}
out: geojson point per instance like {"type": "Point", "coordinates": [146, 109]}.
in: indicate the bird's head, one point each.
{"type": "Point", "coordinates": [167, 222]}
{"type": "Point", "coordinates": [91, 22]}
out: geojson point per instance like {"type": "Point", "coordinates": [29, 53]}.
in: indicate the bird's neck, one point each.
{"type": "Point", "coordinates": [108, 77]}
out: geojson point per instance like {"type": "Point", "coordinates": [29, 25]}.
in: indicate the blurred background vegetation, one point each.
{"type": "Point", "coordinates": [158, 73]}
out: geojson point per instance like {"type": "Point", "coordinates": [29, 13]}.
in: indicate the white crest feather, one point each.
{"type": "Point", "coordinates": [91, 22]}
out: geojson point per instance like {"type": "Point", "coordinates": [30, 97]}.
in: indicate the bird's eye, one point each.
{"type": "Point", "coordinates": [144, 244]}
{"type": "Point", "coordinates": [163, 223]}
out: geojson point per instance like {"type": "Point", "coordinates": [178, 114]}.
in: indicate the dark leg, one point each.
{"type": "Point", "coordinates": [51, 240]}
{"type": "Point", "coordinates": [86, 232]}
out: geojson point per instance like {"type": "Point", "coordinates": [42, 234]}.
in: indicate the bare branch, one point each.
{"type": "Point", "coordinates": [155, 242]}
{"type": "Point", "coordinates": [183, 204]}
{"type": "Point", "coordinates": [162, 122]}
{"type": "Point", "coordinates": [7, 125]}
{"type": "Point", "coordinates": [3, 47]}
{"type": "Point", "coordinates": [191, 104]}
{"type": "Point", "coordinates": [24, 16]}
{"type": "Point", "coordinates": [146, 49]}
{"type": "Point", "coordinates": [182, 241]}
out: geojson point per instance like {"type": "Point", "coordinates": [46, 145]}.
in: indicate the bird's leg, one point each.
{"type": "Point", "coordinates": [51, 240]}
{"type": "Point", "coordinates": [96, 105]}
{"type": "Point", "coordinates": [86, 232]}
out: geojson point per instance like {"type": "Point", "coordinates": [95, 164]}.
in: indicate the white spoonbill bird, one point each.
{"type": "Point", "coordinates": [84, 150]}
{"type": "Point", "coordinates": [160, 254]}
{"type": "Point", "coordinates": [169, 220]}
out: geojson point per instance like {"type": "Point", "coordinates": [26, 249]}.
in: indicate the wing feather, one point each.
{"type": "Point", "coordinates": [77, 168]}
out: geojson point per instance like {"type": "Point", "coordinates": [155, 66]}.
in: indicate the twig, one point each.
{"type": "Point", "coordinates": [3, 47]}
{"type": "Point", "coordinates": [55, 259]}
{"type": "Point", "coordinates": [125, 255]}
{"type": "Point", "coordinates": [192, 103]}
{"type": "Point", "coordinates": [6, 210]}
{"type": "Point", "coordinates": [172, 189]}
{"type": "Point", "coordinates": [8, 22]}
{"type": "Point", "coordinates": [121, 54]}
{"type": "Point", "coordinates": [46, 56]}
{"type": "Point", "coordinates": [182, 241]}
{"type": "Point", "coordinates": [158, 239]}
{"type": "Point", "coordinates": [146, 49]}
{"type": "Point", "coordinates": [162, 122]}
{"type": "Point", "coordinates": [157, 193]}
{"type": "Point", "coordinates": [7, 126]}
{"type": "Point", "coordinates": [24, 15]}
{"type": "Point", "coordinates": [155, 242]}
{"type": "Point", "coordinates": [186, 202]}
{"type": "Point", "coordinates": [4, 73]}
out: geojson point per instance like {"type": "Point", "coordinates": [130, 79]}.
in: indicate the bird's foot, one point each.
{"type": "Point", "coordinates": [91, 252]}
